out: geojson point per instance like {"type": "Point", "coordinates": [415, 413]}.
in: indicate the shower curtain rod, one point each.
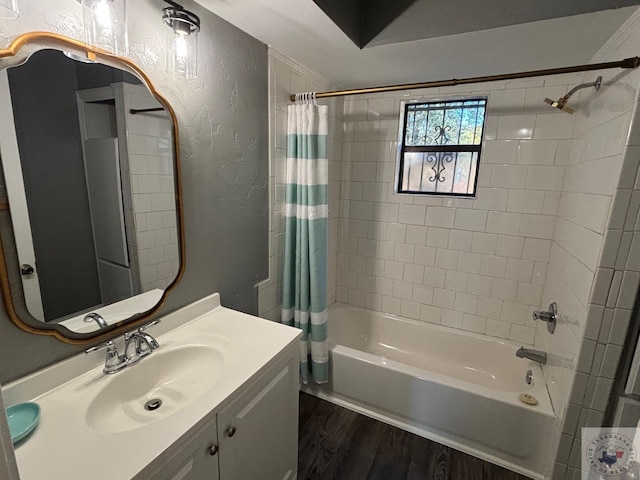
{"type": "Point", "coordinates": [633, 62]}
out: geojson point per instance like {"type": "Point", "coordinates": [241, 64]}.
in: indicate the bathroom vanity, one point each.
{"type": "Point", "coordinates": [228, 386]}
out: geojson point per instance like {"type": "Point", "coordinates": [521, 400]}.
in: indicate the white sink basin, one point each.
{"type": "Point", "coordinates": [207, 352]}
{"type": "Point", "coordinates": [175, 377]}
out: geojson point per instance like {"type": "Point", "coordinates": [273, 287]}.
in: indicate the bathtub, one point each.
{"type": "Point", "coordinates": [456, 388]}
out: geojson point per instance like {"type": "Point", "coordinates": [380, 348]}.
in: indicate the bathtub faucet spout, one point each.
{"type": "Point", "coordinates": [535, 355]}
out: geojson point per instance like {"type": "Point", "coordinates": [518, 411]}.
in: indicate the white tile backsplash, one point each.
{"type": "Point", "coordinates": [491, 198]}
{"type": "Point", "coordinates": [440, 217]}
{"type": "Point", "coordinates": [511, 246]}
{"type": "Point", "coordinates": [501, 151]}
{"type": "Point", "coordinates": [493, 266]}
{"type": "Point", "coordinates": [468, 219]}
{"type": "Point", "coordinates": [484, 243]}
{"type": "Point", "coordinates": [537, 152]}
{"type": "Point", "coordinates": [504, 222]}
{"type": "Point", "coordinates": [509, 176]}
{"type": "Point", "coordinates": [415, 214]}
{"type": "Point", "coordinates": [515, 127]}
{"type": "Point", "coordinates": [525, 201]}
{"type": "Point", "coordinates": [554, 125]}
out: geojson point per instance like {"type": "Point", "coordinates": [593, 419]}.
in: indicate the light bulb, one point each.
{"type": "Point", "coordinates": [182, 47]}
{"type": "Point", "coordinates": [103, 14]}
{"type": "Point", "coordinates": [105, 23]}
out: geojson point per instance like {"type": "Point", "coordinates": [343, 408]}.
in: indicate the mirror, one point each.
{"type": "Point", "coordinates": [89, 157]}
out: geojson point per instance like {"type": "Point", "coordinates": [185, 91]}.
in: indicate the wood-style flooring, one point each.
{"type": "Point", "coordinates": [339, 444]}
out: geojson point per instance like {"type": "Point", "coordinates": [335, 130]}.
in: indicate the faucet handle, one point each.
{"type": "Point", "coordinates": [142, 328]}
{"type": "Point", "coordinates": [113, 361]}
{"type": "Point", "coordinates": [150, 324]}
{"type": "Point", "coordinates": [108, 345]}
{"type": "Point", "coordinates": [549, 316]}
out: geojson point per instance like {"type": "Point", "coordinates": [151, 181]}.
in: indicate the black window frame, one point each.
{"type": "Point", "coordinates": [402, 148]}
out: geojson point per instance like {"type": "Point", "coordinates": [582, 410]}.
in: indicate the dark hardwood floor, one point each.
{"type": "Point", "coordinates": [339, 444]}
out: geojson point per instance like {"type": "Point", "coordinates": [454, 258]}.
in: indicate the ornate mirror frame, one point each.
{"type": "Point", "coordinates": [15, 54]}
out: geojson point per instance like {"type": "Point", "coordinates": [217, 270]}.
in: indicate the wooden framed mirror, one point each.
{"type": "Point", "coordinates": [91, 223]}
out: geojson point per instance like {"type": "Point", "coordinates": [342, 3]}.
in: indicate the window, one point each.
{"type": "Point", "coordinates": [440, 147]}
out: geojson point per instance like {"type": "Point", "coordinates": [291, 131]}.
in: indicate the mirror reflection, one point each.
{"type": "Point", "coordinates": [89, 170]}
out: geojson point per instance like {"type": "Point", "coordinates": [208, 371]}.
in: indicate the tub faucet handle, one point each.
{"type": "Point", "coordinates": [549, 316]}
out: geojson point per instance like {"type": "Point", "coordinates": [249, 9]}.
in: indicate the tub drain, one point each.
{"type": "Point", "coordinates": [153, 404]}
{"type": "Point", "coordinates": [528, 399]}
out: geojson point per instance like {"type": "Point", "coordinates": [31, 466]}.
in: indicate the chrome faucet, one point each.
{"type": "Point", "coordinates": [535, 355]}
{"type": "Point", "coordinates": [138, 344]}
{"type": "Point", "coordinates": [93, 316]}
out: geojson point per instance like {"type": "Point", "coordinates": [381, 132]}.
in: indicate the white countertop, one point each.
{"type": "Point", "coordinates": [63, 447]}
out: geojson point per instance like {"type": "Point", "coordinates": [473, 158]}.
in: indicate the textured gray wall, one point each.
{"type": "Point", "coordinates": [223, 134]}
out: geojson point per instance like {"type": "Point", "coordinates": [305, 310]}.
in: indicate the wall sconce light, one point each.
{"type": "Point", "coordinates": [105, 25]}
{"type": "Point", "coordinates": [182, 40]}
{"type": "Point", "coordinates": [9, 9]}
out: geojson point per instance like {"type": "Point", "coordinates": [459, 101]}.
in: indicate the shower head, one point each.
{"type": "Point", "coordinates": [561, 103]}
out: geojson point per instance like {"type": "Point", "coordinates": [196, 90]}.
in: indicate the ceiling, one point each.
{"type": "Point", "coordinates": [472, 43]}
{"type": "Point", "coordinates": [460, 16]}
{"type": "Point", "coordinates": [362, 20]}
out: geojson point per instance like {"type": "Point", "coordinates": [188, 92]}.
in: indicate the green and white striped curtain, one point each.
{"type": "Point", "coordinates": [304, 303]}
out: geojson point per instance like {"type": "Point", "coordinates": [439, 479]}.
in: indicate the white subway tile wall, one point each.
{"type": "Point", "coordinates": [476, 264]}
{"type": "Point", "coordinates": [592, 272]}
{"type": "Point", "coordinates": [150, 148]}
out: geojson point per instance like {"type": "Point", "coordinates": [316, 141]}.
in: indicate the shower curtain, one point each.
{"type": "Point", "coordinates": [304, 303]}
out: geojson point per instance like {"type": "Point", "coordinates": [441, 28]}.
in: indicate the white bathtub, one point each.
{"type": "Point", "coordinates": [456, 388]}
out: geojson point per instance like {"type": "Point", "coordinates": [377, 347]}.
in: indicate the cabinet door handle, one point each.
{"type": "Point", "coordinates": [213, 449]}
{"type": "Point", "coordinates": [231, 431]}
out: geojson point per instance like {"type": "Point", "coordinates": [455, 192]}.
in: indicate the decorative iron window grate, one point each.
{"type": "Point", "coordinates": [440, 147]}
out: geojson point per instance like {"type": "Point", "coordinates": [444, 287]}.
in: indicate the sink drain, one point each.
{"type": "Point", "coordinates": [153, 404]}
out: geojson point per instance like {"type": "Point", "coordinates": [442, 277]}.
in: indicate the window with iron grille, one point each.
{"type": "Point", "coordinates": [440, 146]}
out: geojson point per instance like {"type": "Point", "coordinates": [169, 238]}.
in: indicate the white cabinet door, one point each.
{"type": "Point", "coordinates": [198, 460]}
{"type": "Point", "coordinates": [258, 433]}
